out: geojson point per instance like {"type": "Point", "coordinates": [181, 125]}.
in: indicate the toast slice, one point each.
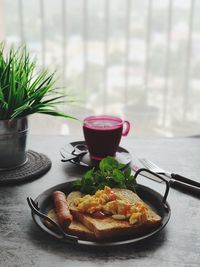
{"type": "Point", "coordinates": [152, 217]}
{"type": "Point", "coordinates": [75, 228]}
{"type": "Point", "coordinates": [109, 228]}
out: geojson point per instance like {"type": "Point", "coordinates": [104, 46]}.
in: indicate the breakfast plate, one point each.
{"type": "Point", "coordinates": [155, 200]}
{"type": "Point", "coordinates": [122, 155]}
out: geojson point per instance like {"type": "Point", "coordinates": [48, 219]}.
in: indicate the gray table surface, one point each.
{"type": "Point", "coordinates": [22, 243]}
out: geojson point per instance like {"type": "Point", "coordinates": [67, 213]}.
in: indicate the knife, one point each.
{"type": "Point", "coordinates": [184, 187]}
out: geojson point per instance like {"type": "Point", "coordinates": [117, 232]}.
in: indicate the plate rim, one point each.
{"type": "Point", "coordinates": [81, 242]}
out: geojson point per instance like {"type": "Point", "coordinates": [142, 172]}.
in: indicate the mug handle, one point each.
{"type": "Point", "coordinates": [127, 128]}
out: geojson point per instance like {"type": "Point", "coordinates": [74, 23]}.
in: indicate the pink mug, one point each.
{"type": "Point", "coordinates": [103, 134]}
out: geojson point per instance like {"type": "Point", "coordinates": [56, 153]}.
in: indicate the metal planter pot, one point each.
{"type": "Point", "coordinates": [13, 136]}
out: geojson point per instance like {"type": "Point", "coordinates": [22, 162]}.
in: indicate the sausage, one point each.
{"type": "Point", "coordinates": [61, 209]}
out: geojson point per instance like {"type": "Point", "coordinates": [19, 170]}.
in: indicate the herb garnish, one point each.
{"type": "Point", "coordinates": [110, 173]}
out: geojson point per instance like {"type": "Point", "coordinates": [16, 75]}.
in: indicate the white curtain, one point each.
{"type": "Point", "coordinates": [138, 59]}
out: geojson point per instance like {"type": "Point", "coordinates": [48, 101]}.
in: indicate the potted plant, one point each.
{"type": "Point", "coordinates": [23, 91]}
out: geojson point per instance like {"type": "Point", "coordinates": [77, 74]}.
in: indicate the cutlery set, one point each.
{"type": "Point", "coordinates": [175, 180]}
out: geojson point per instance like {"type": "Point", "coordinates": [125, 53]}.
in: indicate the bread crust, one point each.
{"type": "Point", "coordinates": [75, 228]}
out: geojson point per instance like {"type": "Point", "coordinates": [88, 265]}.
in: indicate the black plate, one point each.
{"type": "Point", "coordinates": [151, 197]}
{"type": "Point", "coordinates": [122, 156]}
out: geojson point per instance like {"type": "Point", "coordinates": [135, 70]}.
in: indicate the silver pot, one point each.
{"type": "Point", "coordinates": [13, 136]}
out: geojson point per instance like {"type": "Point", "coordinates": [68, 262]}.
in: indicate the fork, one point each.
{"type": "Point", "coordinates": [175, 180]}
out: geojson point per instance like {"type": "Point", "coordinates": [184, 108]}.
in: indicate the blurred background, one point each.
{"type": "Point", "coordinates": [137, 59]}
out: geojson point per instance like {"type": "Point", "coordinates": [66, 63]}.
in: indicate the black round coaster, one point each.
{"type": "Point", "coordinates": [36, 165]}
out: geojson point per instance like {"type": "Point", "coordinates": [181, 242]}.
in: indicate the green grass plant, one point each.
{"type": "Point", "coordinates": [23, 89]}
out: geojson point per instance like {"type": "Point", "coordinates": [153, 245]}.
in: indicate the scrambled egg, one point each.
{"type": "Point", "coordinates": [108, 202]}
